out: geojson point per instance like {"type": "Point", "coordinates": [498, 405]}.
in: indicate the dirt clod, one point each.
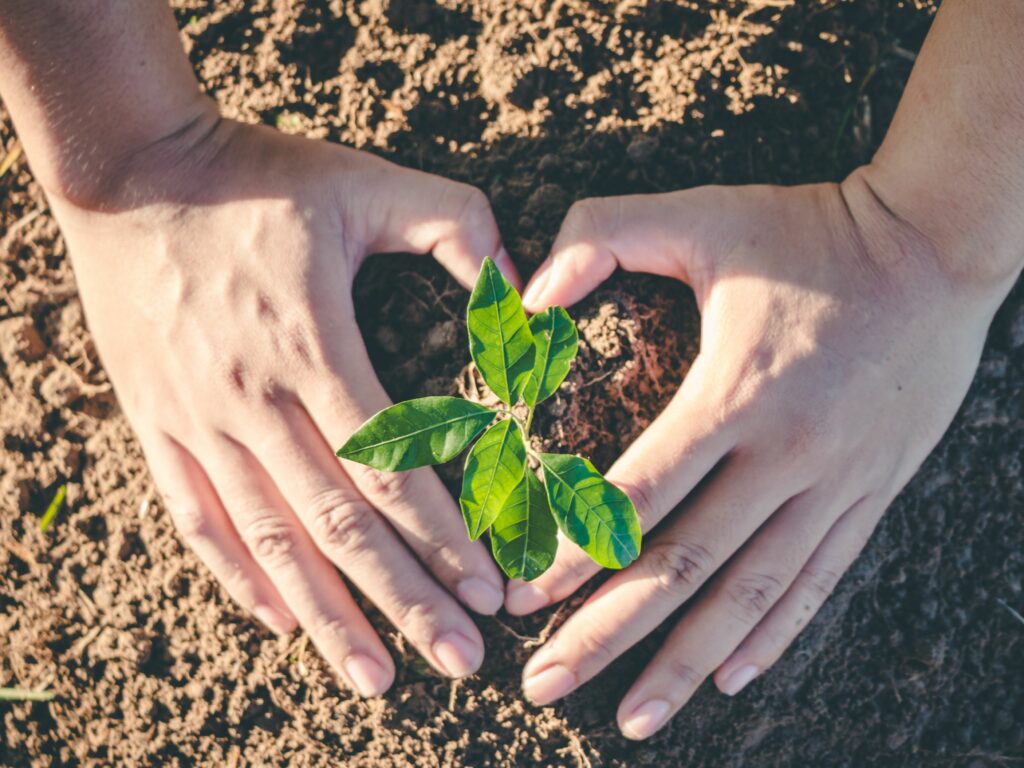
{"type": "Point", "coordinates": [20, 341]}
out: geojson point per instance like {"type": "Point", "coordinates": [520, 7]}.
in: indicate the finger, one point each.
{"type": "Point", "coordinates": [205, 527]}
{"type": "Point", "coordinates": [670, 570]}
{"type": "Point", "coordinates": [725, 613]}
{"type": "Point", "coordinates": [671, 234]}
{"type": "Point", "coordinates": [415, 503]}
{"type": "Point", "coordinates": [660, 469]}
{"type": "Point", "coordinates": [315, 591]}
{"type": "Point", "coordinates": [421, 213]}
{"type": "Point", "coordinates": [354, 536]}
{"type": "Point", "coordinates": [812, 586]}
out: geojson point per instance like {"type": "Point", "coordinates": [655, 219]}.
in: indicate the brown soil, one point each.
{"type": "Point", "coordinates": [915, 661]}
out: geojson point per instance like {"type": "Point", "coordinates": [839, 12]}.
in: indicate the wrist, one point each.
{"type": "Point", "coordinates": [141, 167]}
{"type": "Point", "coordinates": [90, 86]}
{"type": "Point", "coordinates": [903, 228]}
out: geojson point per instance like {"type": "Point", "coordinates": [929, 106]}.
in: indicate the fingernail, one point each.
{"type": "Point", "coordinates": [523, 598]}
{"type": "Point", "coordinates": [368, 677]}
{"type": "Point", "coordinates": [548, 685]}
{"type": "Point", "coordinates": [646, 719]}
{"type": "Point", "coordinates": [535, 290]}
{"type": "Point", "coordinates": [274, 619]}
{"type": "Point", "coordinates": [738, 680]}
{"type": "Point", "coordinates": [507, 267]}
{"type": "Point", "coordinates": [458, 655]}
{"type": "Point", "coordinates": [480, 595]}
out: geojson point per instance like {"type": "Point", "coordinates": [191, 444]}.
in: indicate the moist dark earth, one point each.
{"type": "Point", "coordinates": [916, 660]}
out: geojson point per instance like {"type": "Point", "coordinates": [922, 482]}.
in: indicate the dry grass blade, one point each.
{"type": "Point", "coordinates": [20, 694]}
{"type": "Point", "coordinates": [1013, 611]}
{"type": "Point", "coordinates": [10, 158]}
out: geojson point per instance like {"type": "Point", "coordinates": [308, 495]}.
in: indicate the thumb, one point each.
{"type": "Point", "coordinates": [416, 212]}
{"type": "Point", "coordinates": [665, 234]}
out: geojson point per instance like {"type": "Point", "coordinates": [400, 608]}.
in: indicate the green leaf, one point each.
{"type": "Point", "coordinates": [499, 335]}
{"type": "Point", "coordinates": [51, 511]}
{"type": "Point", "coordinates": [493, 469]}
{"type": "Point", "coordinates": [429, 430]}
{"type": "Point", "coordinates": [524, 537]}
{"type": "Point", "coordinates": [592, 512]}
{"type": "Point", "coordinates": [556, 339]}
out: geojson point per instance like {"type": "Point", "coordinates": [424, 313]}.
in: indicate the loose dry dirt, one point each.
{"type": "Point", "coordinates": [915, 661]}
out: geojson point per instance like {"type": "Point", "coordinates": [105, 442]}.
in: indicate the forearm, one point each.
{"type": "Point", "coordinates": [952, 164]}
{"type": "Point", "coordinates": [90, 84]}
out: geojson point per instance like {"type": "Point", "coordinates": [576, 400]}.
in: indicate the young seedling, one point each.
{"type": "Point", "coordinates": [523, 362]}
{"type": "Point", "coordinates": [53, 509]}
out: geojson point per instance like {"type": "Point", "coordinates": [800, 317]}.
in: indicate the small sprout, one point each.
{"type": "Point", "coordinates": [523, 361]}
{"type": "Point", "coordinates": [51, 511]}
{"type": "Point", "coordinates": [21, 694]}
{"type": "Point", "coordinates": [288, 122]}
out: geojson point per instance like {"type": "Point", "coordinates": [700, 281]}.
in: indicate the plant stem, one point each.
{"type": "Point", "coordinates": [524, 428]}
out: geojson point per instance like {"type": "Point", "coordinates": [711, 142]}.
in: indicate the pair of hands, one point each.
{"type": "Point", "coordinates": [835, 350]}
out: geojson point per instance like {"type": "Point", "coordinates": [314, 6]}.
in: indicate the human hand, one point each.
{"type": "Point", "coordinates": [216, 273]}
{"type": "Point", "coordinates": [835, 351]}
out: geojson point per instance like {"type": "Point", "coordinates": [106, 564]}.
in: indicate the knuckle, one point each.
{"type": "Point", "coordinates": [774, 645]}
{"type": "Point", "coordinates": [753, 594]}
{"type": "Point", "coordinates": [413, 614]}
{"type": "Point", "coordinates": [576, 568]}
{"type": "Point", "coordinates": [241, 585]}
{"type": "Point", "coordinates": [236, 378]}
{"type": "Point", "coordinates": [274, 395]}
{"type": "Point", "coordinates": [473, 206]}
{"type": "Point", "coordinates": [820, 582]}
{"type": "Point", "coordinates": [583, 216]}
{"type": "Point", "coordinates": [270, 536]}
{"type": "Point", "coordinates": [684, 673]}
{"type": "Point", "coordinates": [385, 488]}
{"type": "Point", "coordinates": [644, 495]}
{"type": "Point", "coordinates": [680, 567]}
{"type": "Point", "coordinates": [325, 626]}
{"type": "Point", "coordinates": [476, 200]}
{"type": "Point", "coordinates": [191, 521]}
{"type": "Point", "coordinates": [571, 566]}
{"type": "Point", "coordinates": [595, 647]}
{"type": "Point", "coordinates": [342, 521]}
{"type": "Point", "coordinates": [436, 557]}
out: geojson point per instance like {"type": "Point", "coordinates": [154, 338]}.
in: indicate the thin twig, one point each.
{"type": "Point", "coordinates": [516, 635]}
{"type": "Point", "coordinates": [21, 694]}
{"type": "Point", "coordinates": [10, 158]}
{"type": "Point", "coordinates": [1013, 611]}
{"type": "Point", "coordinates": [597, 379]}
{"type": "Point", "coordinates": [549, 628]}
{"type": "Point", "coordinates": [19, 551]}
{"type": "Point", "coordinates": [78, 649]}
{"type": "Point", "coordinates": [20, 224]}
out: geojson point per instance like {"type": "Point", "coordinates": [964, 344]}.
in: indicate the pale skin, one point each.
{"type": "Point", "coordinates": [842, 325]}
